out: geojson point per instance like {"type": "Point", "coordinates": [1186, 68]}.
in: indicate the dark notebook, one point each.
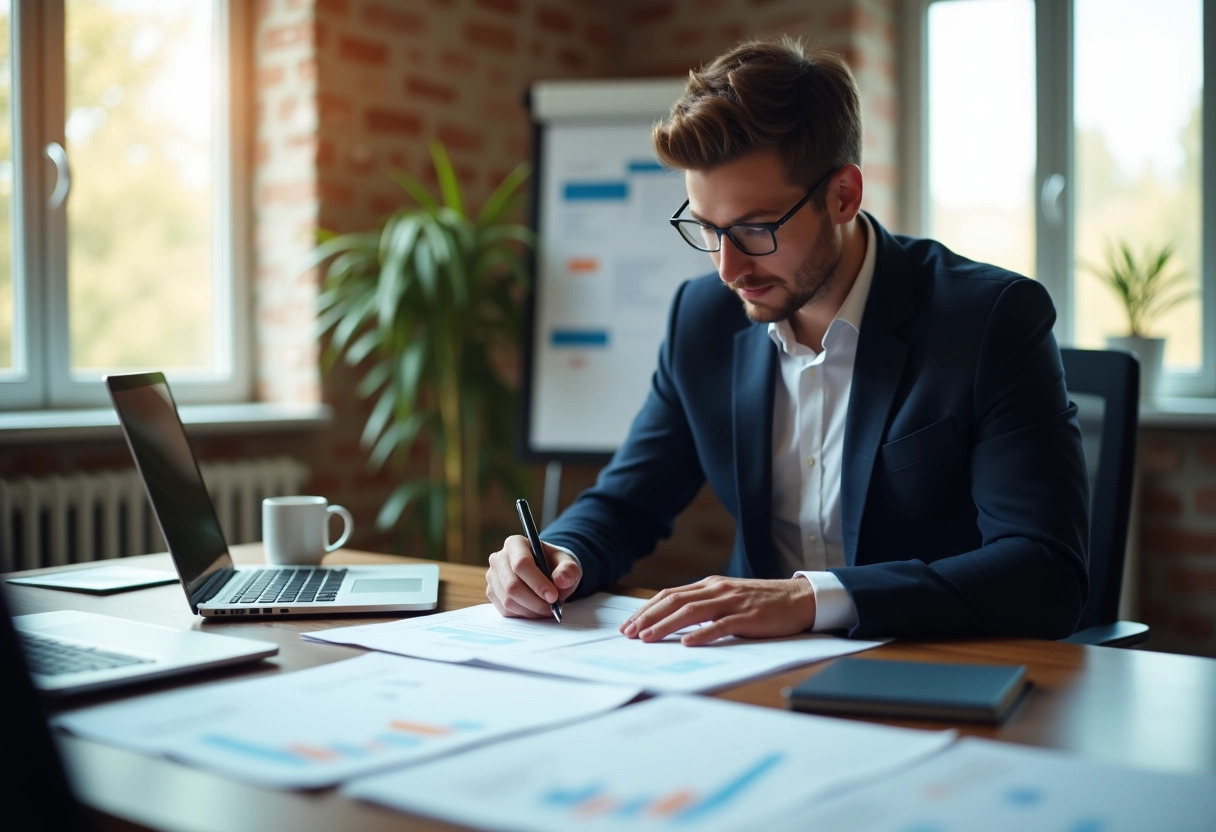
{"type": "Point", "coordinates": [930, 690]}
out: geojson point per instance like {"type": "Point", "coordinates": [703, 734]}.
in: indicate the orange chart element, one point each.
{"type": "Point", "coordinates": [582, 265]}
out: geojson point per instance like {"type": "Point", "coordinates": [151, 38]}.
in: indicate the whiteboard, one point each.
{"type": "Point", "coordinates": [607, 263]}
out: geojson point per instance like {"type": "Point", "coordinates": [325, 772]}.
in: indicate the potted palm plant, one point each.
{"type": "Point", "coordinates": [428, 302]}
{"type": "Point", "coordinates": [1147, 287]}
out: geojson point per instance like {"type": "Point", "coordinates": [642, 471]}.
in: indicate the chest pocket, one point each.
{"type": "Point", "coordinates": [918, 445]}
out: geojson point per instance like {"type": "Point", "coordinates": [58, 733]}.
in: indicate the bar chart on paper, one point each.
{"type": "Point", "coordinates": [672, 762]}
{"type": "Point", "coordinates": [320, 726]}
{"type": "Point", "coordinates": [682, 803]}
{"type": "Point", "coordinates": [393, 734]}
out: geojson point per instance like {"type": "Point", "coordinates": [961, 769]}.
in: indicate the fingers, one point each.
{"type": "Point", "coordinates": [723, 607]}
{"type": "Point", "coordinates": [516, 586]}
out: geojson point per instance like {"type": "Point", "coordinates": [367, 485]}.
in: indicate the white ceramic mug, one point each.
{"type": "Point", "coordinates": [295, 530]}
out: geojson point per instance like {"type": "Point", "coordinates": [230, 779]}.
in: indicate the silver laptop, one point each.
{"type": "Point", "coordinates": [214, 585]}
{"type": "Point", "coordinates": [69, 651]}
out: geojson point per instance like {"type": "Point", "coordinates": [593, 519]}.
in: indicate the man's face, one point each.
{"type": "Point", "coordinates": [754, 188]}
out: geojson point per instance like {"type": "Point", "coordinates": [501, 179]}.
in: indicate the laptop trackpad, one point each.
{"type": "Point", "coordinates": [387, 585]}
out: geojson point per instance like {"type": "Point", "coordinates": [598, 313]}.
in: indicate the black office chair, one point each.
{"type": "Point", "coordinates": [1105, 385]}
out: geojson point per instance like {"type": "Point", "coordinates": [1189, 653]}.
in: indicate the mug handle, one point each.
{"type": "Point", "coordinates": [348, 523]}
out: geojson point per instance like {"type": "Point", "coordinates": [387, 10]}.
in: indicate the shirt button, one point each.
{"type": "Point", "coordinates": [810, 462]}
{"type": "Point", "coordinates": [811, 371]}
{"type": "Point", "coordinates": [812, 537]}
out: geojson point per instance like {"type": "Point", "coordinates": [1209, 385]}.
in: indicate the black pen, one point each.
{"type": "Point", "coordinates": [538, 554]}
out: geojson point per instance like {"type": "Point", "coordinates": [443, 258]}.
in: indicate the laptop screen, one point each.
{"type": "Point", "coordinates": [171, 477]}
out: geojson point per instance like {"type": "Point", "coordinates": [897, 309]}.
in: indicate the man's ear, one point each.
{"type": "Point", "coordinates": [844, 195]}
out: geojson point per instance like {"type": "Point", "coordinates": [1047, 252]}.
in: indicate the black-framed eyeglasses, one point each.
{"type": "Point", "coordinates": [751, 238]}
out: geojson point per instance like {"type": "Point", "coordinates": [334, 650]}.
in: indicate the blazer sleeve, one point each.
{"type": "Point", "coordinates": [652, 477]}
{"type": "Point", "coordinates": [1028, 577]}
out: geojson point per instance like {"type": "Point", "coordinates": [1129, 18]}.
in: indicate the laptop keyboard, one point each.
{"type": "Point", "coordinates": [51, 657]}
{"type": "Point", "coordinates": [284, 586]}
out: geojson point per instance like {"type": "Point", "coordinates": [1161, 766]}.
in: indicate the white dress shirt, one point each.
{"type": "Point", "coordinates": [810, 401]}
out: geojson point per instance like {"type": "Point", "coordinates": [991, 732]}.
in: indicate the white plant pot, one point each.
{"type": "Point", "coordinates": [1151, 352]}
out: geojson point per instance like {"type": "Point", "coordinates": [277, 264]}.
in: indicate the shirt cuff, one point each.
{"type": "Point", "coordinates": [834, 607]}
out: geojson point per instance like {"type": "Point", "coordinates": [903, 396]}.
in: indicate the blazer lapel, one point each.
{"type": "Point", "coordinates": [881, 355]}
{"type": "Point", "coordinates": [755, 366]}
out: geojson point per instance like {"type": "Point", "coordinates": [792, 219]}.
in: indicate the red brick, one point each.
{"type": "Point", "coordinates": [334, 110]}
{"type": "Point", "coordinates": [651, 13]}
{"type": "Point", "coordinates": [286, 107]}
{"type": "Point", "coordinates": [431, 90]}
{"type": "Point", "coordinates": [459, 138]}
{"type": "Point", "coordinates": [326, 154]}
{"type": "Point", "coordinates": [363, 50]}
{"type": "Point", "coordinates": [336, 193]}
{"type": "Point", "coordinates": [554, 20]}
{"type": "Point", "coordinates": [1207, 454]}
{"type": "Point", "coordinates": [598, 35]}
{"type": "Point", "coordinates": [381, 16]}
{"type": "Point", "coordinates": [1159, 456]}
{"type": "Point", "coordinates": [571, 58]}
{"type": "Point", "coordinates": [284, 37]}
{"type": "Point", "coordinates": [1162, 540]}
{"type": "Point", "coordinates": [853, 19]}
{"type": "Point", "coordinates": [504, 6]}
{"type": "Point", "coordinates": [400, 122]}
{"type": "Point", "coordinates": [489, 36]}
{"type": "Point", "coordinates": [456, 61]}
{"type": "Point", "coordinates": [339, 8]}
{"type": "Point", "coordinates": [687, 37]}
{"type": "Point", "coordinates": [1161, 501]}
{"type": "Point", "coordinates": [261, 152]}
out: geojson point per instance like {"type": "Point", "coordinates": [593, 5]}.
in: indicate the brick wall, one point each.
{"type": "Point", "coordinates": [1176, 570]}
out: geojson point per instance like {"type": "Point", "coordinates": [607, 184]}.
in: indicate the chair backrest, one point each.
{"type": "Point", "coordinates": [1105, 385]}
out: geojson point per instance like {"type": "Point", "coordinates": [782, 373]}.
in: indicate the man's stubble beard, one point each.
{"type": "Point", "coordinates": [814, 276]}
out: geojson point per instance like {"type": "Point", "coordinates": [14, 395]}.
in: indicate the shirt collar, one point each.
{"type": "Point", "coordinates": [851, 311]}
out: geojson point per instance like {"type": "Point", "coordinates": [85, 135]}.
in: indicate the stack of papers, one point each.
{"type": "Point", "coordinates": [589, 646]}
{"type": "Point", "coordinates": [672, 762]}
{"type": "Point", "coordinates": [321, 726]}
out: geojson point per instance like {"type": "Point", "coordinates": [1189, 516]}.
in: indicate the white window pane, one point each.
{"type": "Point", "coordinates": [7, 305]}
{"type": "Point", "coordinates": [1139, 84]}
{"type": "Point", "coordinates": [981, 59]}
{"type": "Point", "coordinates": [140, 99]}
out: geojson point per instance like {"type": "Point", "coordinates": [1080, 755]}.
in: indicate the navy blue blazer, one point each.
{"type": "Point", "coordinates": [963, 492]}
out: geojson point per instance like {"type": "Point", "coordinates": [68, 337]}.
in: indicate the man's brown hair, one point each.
{"type": "Point", "coordinates": [766, 93]}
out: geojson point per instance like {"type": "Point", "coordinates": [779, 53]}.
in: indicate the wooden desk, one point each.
{"type": "Point", "coordinates": [1131, 707]}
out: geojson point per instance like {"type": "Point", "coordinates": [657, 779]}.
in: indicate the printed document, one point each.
{"type": "Point", "coordinates": [999, 787]}
{"type": "Point", "coordinates": [589, 646]}
{"type": "Point", "coordinates": [673, 762]}
{"type": "Point", "coordinates": [317, 727]}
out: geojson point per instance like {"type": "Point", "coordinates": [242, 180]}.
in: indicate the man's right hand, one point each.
{"type": "Point", "coordinates": [516, 586]}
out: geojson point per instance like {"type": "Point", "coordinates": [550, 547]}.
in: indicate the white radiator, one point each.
{"type": "Point", "coordinates": [52, 520]}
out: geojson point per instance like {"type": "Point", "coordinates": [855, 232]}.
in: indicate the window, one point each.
{"type": "Point", "coordinates": [117, 213]}
{"type": "Point", "coordinates": [1045, 132]}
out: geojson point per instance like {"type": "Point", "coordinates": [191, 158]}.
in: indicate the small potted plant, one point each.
{"type": "Point", "coordinates": [426, 302]}
{"type": "Point", "coordinates": [1147, 287]}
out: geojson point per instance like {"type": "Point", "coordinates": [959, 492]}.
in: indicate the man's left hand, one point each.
{"type": "Point", "coordinates": [746, 607]}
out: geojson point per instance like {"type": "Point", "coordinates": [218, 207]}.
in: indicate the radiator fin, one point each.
{"type": "Point", "coordinates": [75, 518]}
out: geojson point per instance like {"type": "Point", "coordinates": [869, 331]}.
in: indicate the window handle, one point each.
{"type": "Point", "coordinates": [1049, 199]}
{"type": "Point", "coordinates": [63, 175]}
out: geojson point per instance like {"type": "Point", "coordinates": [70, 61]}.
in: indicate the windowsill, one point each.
{"type": "Point", "coordinates": [101, 423]}
{"type": "Point", "coordinates": [1179, 412]}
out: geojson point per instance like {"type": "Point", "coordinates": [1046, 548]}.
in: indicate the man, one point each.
{"type": "Point", "coordinates": [886, 421]}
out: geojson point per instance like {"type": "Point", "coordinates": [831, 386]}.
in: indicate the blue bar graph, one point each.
{"type": "Point", "coordinates": [646, 166]}
{"type": "Point", "coordinates": [595, 191]}
{"type": "Point", "coordinates": [732, 788]}
{"type": "Point", "coordinates": [579, 338]}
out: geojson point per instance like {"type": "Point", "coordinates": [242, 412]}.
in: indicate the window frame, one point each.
{"type": "Point", "coordinates": [1055, 265]}
{"type": "Point", "coordinates": [42, 378]}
